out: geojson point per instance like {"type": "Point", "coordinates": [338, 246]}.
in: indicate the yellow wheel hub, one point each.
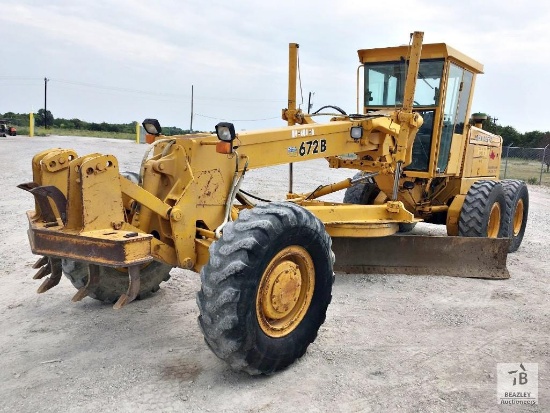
{"type": "Point", "coordinates": [493, 225]}
{"type": "Point", "coordinates": [518, 217]}
{"type": "Point", "coordinates": [285, 291]}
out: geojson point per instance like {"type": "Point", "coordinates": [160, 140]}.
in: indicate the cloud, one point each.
{"type": "Point", "coordinates": [76, 31]}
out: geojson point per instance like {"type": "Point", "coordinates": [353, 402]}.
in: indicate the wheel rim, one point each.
{"type": "Point", "coordinates": [285, 291]}
{"type": "Point", "coordinates": [493, 225]}
{"type": "Point", "coordinates": [518, 217]}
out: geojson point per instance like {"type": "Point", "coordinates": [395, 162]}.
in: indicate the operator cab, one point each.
{"type": "Point", "coordinates": [442, 97]}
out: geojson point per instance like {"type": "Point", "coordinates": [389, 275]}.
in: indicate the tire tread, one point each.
{"type": "Point", "coordinates": [228, 285]}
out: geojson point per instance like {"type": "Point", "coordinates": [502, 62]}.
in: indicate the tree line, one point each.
{"type": "Point", "coordinates": [42, 118]}
{"type": "Point", "coordinates": [511, 136]}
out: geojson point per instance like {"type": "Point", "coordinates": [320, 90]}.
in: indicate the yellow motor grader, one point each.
{"type": "Point", "coordinates": [267, 267]}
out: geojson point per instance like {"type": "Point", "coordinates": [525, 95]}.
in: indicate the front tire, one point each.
{"type": "Point", "coordinates": [483, 211]}
{"type": "Point", "coordinates": [266, 287]}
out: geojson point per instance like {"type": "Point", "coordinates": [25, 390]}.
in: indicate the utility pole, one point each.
{"type": "Point", "coordinates": [45, 102]}
{"type": "Point", "coordinates": [191, 127]}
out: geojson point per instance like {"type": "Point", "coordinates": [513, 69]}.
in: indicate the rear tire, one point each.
{"type": "Point", "coordinates": [363, 194]}
{"type": "Point", "coordinates": [114, 282]}
{"type": "Point", "coordinates": [266, 287]}
{"type": "Point", "coordinates": [516, 212]}
{"type": "Point", "coordinates": [482, 213]}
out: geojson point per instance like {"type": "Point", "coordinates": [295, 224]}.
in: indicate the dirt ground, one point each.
{"type": "Point", "coordinates": [389, 344]}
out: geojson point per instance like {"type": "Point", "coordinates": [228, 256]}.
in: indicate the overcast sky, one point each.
{"type": "Point", "coordinates": [125, 60]}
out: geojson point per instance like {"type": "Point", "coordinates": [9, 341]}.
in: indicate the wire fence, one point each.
{"type": "Point", "coordinates": [531, 165]}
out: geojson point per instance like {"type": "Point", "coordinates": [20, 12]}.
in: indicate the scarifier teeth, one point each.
{"type": "Point", "coordinates": [41, 262]}
{"type": "Point", "coordinates": [52, 267]}
{"type": "Point", "coordinates": [80, 294]}
{"type": "Point", "coordinates": [121, 302]}
{"type": "Point", "coordinates": [133, 288]}
{"type": "Point", "coordinates": [43, 271]}
{"type": "Point", "coordinates": [47, 284]}
{"type": "Point", "coordinates": [93, 281]}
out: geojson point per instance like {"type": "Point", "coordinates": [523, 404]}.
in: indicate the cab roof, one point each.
{"type": "Point", "coordinates": [429, 51]}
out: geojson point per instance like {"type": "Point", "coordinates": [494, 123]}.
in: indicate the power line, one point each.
{"type": "Point", "coordinates": [236, 120]}
{"type": "Point", "coordinates": [162, 94]}
{"type": "Point", "coordinates": [114, 88]}
{"type": "Point", "coordinates": [20, 78]}
{"type": "Point", "coordinates": [137, 91]}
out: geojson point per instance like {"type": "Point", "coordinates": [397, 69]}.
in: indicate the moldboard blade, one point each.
{"type": "Point", "coordinates": [423, 255]}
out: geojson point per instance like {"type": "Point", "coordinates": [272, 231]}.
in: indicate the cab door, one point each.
{"type": "Point", "coordinates": [457, 98]}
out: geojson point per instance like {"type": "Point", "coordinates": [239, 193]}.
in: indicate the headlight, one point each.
{"type": "Point", "coordinates": [152, 126]}
{"type": "Point", "coordinates": [225, 131]}
{"type": "Point", "coordinates": [356, 132]}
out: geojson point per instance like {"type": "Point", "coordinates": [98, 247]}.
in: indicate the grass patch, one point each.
{"type": "Point", "coordinates": [24, 130]}
{"type": "Point", "coordinates": [526, 171]}
{"type": "Point", "coordinates": [87, 133]}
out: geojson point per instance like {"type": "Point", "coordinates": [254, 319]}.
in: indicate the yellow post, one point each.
{"type": "Point", "coordinates": [138, 130]}
{"type": "Point", "coordinates": [31, 124]}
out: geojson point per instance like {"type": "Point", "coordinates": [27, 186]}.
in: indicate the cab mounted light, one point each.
{"type": "Point", "coordinates": [225, 131]}
{"type": "Point", "coordinates": [152, 127]}
{"type": "Point", "coordinates": [356, 132]}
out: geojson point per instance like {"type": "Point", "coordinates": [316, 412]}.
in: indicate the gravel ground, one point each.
{"type": "Point", "coordinates": [389, 344]}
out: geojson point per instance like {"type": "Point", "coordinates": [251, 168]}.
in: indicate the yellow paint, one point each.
{"type": "Point", "coordinates": [31, 124]}
{"type": "Point", "coordinates": [285, 291]}
{"type": "Point", "coordinates": [518, 217]}
{"type": "Point", "coordinates": [453, 215]}
{"type": "Point", "coordinates": [185, 184]}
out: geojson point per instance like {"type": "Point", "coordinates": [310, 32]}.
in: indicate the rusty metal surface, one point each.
{"type": "Point", "coordinates": [112, 248]}
{"type": "Point", "coordinates": [133, 288]}
{"type": "Point", "coordinates": [423, 255]}
{"type": "Point", "coordinates": [93, 281]}
{"type": "Point", "coordinates": [53, 267]}
{"type": "Point", "coordinates": [42, 193]}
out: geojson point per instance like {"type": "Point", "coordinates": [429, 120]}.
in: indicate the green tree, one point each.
{"type": "Point", "coordinates": [510, 136]}
{"type": "Point", "coordinates": [39, 118]}
{"type": "Point", "coordinates": [532, 138]}
{"type": "Point", "coordinates": [545, 140]}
